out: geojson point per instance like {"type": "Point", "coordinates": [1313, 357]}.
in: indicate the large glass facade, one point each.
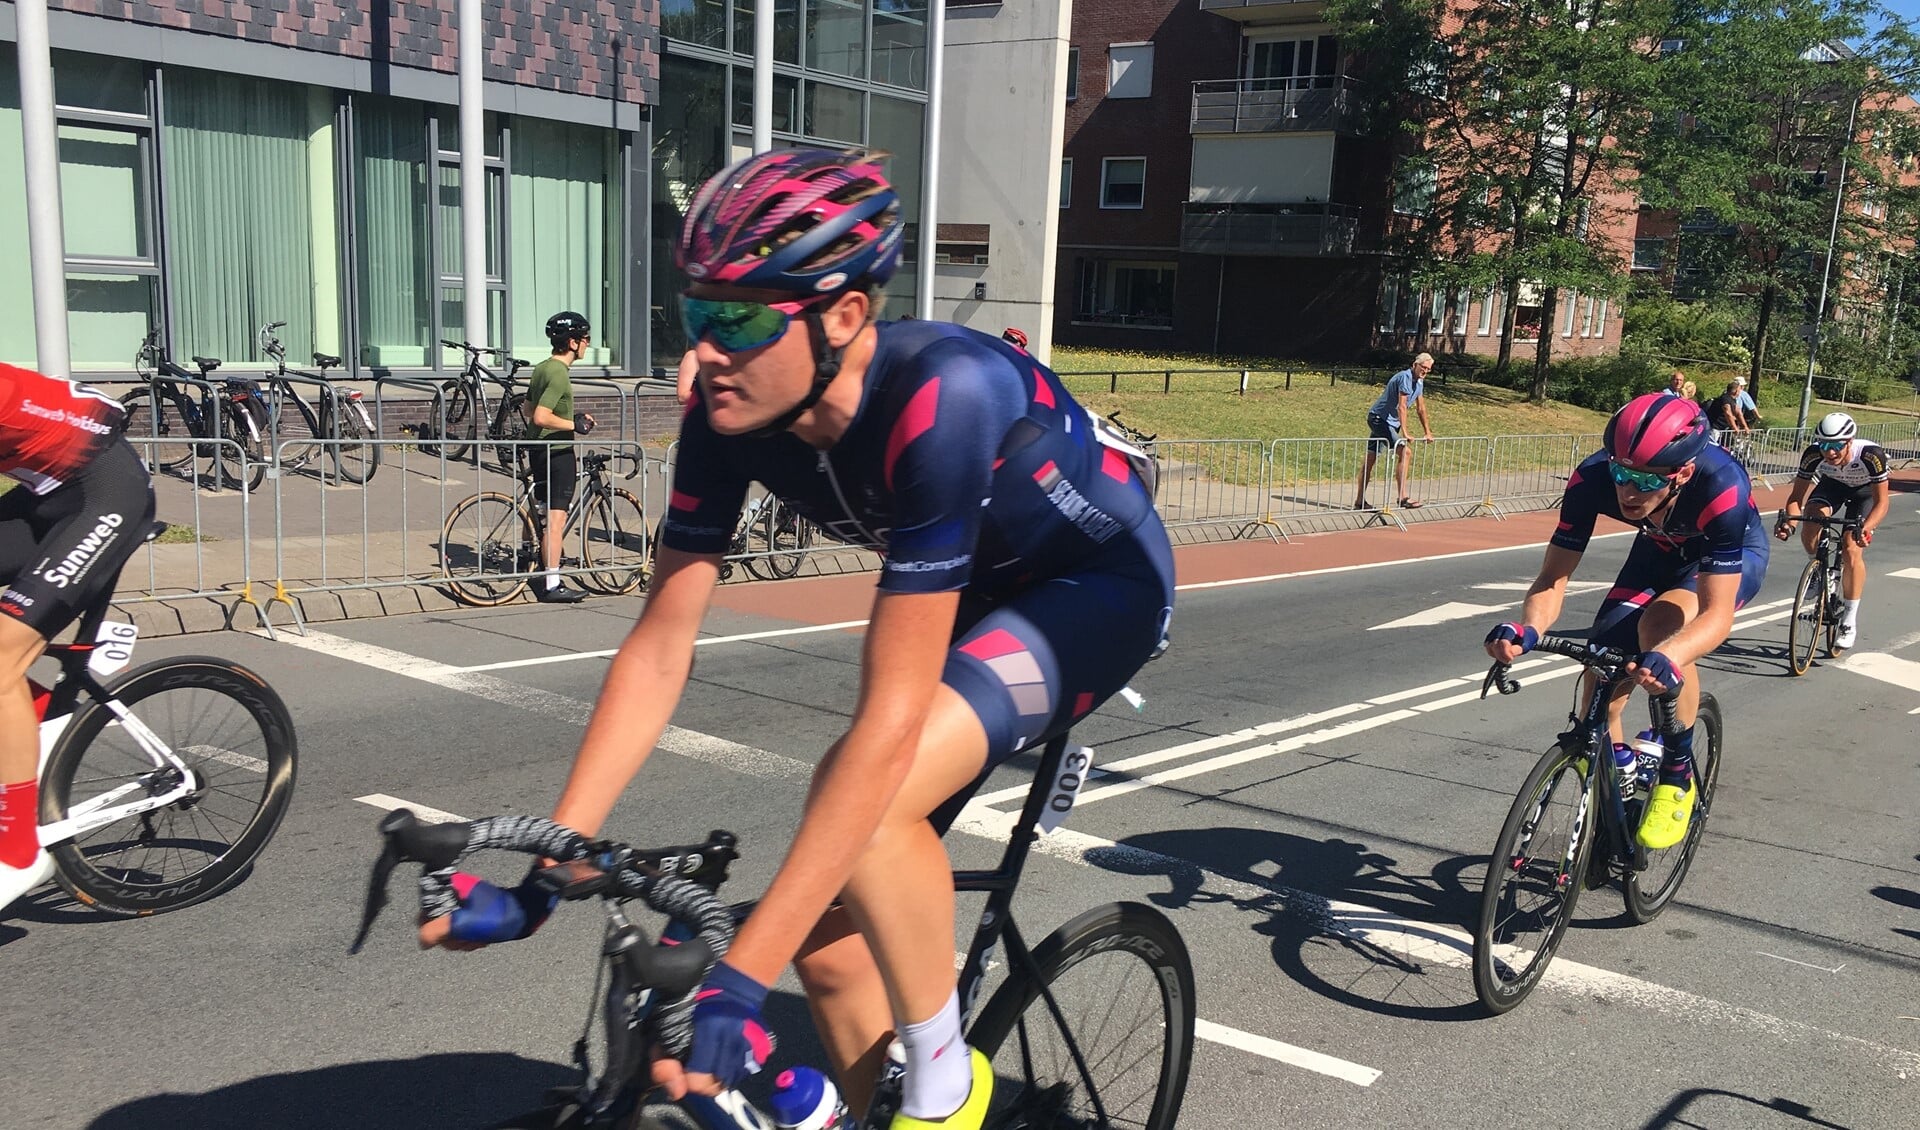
{"type": "Point", "coordinates": [16, 284]}
{"type": "Point", "coordinates": [391, 201]}
{"type": "Point", "coordinates": [691, 142]}
{"type": "Point", "coordinates": [564, 201]}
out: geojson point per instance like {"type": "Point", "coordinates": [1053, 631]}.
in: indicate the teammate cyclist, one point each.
{"type": "Point", "coordinates": [1701, 554]}
{"type": "Point", "coordinates": [1841, 472]}
{"type": "Point", "coordinates": [82, 506]}
{"type": "Point", "coordinates": [1027, 577]}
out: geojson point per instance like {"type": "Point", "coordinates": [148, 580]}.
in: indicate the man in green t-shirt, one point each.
{"type": "Point", "coordinates": [550, 417]}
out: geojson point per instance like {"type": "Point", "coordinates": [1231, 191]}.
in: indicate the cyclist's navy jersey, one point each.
{"type": "Point", "coordinates": [967, 465]}
{"type": "Point", "coordinates": [1713, 523]}
{"type": "Point", "coordinates": [50, 428]}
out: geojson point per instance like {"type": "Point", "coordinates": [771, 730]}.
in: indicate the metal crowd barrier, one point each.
{"type": "Point", "coordinates": [1213, 482]}
{"type": "Point", "coordinates": [207, 550]}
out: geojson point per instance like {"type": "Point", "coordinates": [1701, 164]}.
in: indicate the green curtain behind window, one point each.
{"type": "Point", "coordinates": [396, 278]}
{"type": "Point", "coordinates": [564, 202]}
{"type": "Point", "coordinates": [16, 284]}
{"type": "Point", "coordinates": [247, 213]}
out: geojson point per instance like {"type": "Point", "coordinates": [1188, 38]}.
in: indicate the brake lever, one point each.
{"type": "Point", "coordinates": [1497, 678]}
{"type": "Point", "coordinates": [376, 892]}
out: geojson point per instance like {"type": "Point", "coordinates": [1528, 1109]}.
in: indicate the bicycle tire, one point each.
{"type": "Point", "coordinates": [1809, 609]}
{"type": "Point", "coordinates": [453, 428]}
{"type": "Point", "coordinates": [503, 427]}
{"type": "Point", "coordinates": [1498, 994]}
{"type": "Point", "coordinates": [614, 544]}
{"type": "Point", "coordinates": [1836, 610]}
{"type": "Point", "coordinates": [1122, 930]}
{"type": "Point", "coordinates": [788, 536]}
{"type": "Point", "coordinates": [242, 455]}
{"type": "Point", "coordinates": [147, 420]}
{"type": "Point", "coordinates": [1644, 906]}
{"type": "Point", "coordinates": [486, 538]}
{"type": "Point", "coordinates": [226, 767]}
{"type": "Point", "coordinates": [293, 456]}
{"type": "Point", "coordinates": [355, 456]}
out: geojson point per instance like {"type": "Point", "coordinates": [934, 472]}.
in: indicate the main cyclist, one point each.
{"type": "Point", "coordinates": [81, 507]}
{"type": "Point", "coordinates": [1701, 554]}
{"type": "Point", "coordinates": [1840, 471]}
{"type": "Point", "coordinates": [1026, 578]}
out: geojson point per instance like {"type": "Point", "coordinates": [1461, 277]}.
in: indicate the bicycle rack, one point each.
{"type": "Point", "coordinates": [619, 391]}
{"type": "Point", "coordinates": [329, 396]}
{"type": "Point", "coordinates": [209, 404]}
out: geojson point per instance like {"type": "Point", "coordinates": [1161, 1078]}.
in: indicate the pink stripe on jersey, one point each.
{"type": "Point", "coordinates": [681, 500]}
{"type": "Point", "coordinates": [912, 424]}
{"type": "Point", "coordinates": [1042, 393]}
{"type": "Point", "coordinates": [993, 645]}
{"type": "Point", "coordinates": [1724, 502]}
{"type": "Point", "coordinates": [1114, 464]}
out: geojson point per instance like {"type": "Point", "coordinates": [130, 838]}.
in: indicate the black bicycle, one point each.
{"type": "Point", "coordinates": [490, 545]}
{"type": "Point", "coordinates": [1574, 825]}
{"type": "Point", "coordinates": [231, 412]}
{"type": "Point", "coordinates": [455, 429]}
{"type": "Point", "coordinates": [1818, 605]}
{"type": "Point", "coordinates": [339, 423]}
{"type": "Point", "coordinates": [771, 539]}
{"type": "Point", "coordinates": [1094, 1027]}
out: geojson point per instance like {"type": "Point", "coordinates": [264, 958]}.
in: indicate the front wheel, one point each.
{"type": "Point", "coordinates": [233, 735]}
{"type": "Point", "coordinates": [355, 456]}
{"type": "Point", "coordinates": [1122, 982]}
{"type": "Point", "coordinates": [487, 548]}
{"type": "Point", "coordinates": [788, 536]}
{"type": "Point", "coordinates": [1533, 879]}
{"type": "Point", "coordinates": [242, 454]}
{"type": "Point", "coordinates": [454, 424]}
{"type": "Point", "coordinates": [158, 431]}
{"type": "Point", "coordinates": [613, 542]}
{"type": "Point", "coordinates": [1649, 891]}
{"type": "Point", "coordinates": [1809, 610]}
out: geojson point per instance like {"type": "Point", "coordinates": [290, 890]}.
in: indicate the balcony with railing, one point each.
{"type": "Point", "coordinates": [1276, 105]}
{"type": "Point", "coordinates": [1265, 10]}
{"type": "Point", "coordinates": [1293, 230]}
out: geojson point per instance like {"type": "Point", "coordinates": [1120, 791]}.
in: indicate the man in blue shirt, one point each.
{"type": "Point", "coordinates": [1386, 424]}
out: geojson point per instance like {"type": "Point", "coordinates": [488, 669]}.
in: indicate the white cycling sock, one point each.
{"type": "Point", "coordinates": [1852, 609]}
{"type": "Point", "coordinates": [939, 1071]}
{"type": "Point", "coordinates": [553, 579]}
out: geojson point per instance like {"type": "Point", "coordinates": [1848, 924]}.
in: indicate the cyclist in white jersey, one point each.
{"type": "Point", "coordinates": [1841, 472]}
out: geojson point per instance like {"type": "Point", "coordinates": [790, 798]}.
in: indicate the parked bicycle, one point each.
{"type": "Point", "coordinates": [1573, 826]}
{"type": "Point", "coordinates": [1138, 445]}
{"type": "Point", "coordinates": [1818, 605]}
{"type": "Point", "coordinates": [455, 428]}
{"type": "Point", "coordinates": [231, 412]}
{"type": "Point", "coordinates": [490, 545]}
{"type": "Point", "coordinates": [160, 786]}
{"type": "Point", "coordinates": [339, 418]}
{"type": "Point", "coordinates": [1094, 1027]}
{"type": "Point", "coordinates": [770, 539]}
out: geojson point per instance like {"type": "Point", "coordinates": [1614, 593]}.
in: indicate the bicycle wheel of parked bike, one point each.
{"type": "Point", "coordinates": [787, 535]}
{"type": "Point", "coordinates": [1123, 982]}
{"type": "Point", "coordinates": [508, 425]}
{"type": "Point", "coordinates": [614, 542]}
{"type": "Point", "coordinates": [157, 432]}
{"type": "Point", "coordinates": [235, 737]}
{"type": "Point", "coordinates": [284, 415]}
{"type": "Point", "coordinates": [1533, 879]}
{"type": "Point", "coordinates": [242, 453]}
{"type": "Point", "coordinates": [1649, 891]}
{"type": "Point", "coordinates": [486, 540]}
{"type": "Point", "coordinates": [455, 423]}
{"type": "Point", "coordinates": [1809, 610]}
{"type": "Point", "coordinates": [355, 458]}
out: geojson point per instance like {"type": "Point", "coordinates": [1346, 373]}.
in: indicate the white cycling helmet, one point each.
{"type": "Point", "coordinates": [1835, 426]}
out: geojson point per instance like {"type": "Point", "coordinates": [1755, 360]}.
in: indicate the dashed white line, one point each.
{"type": "Point", "coordinates": [427, 815]}
{"type": "Point", "coordinates": [1286, 1053]}
{"type": "Point", "coordinates": [569, 657]}
{"type": "Point", "coordinates": [1797, 961]}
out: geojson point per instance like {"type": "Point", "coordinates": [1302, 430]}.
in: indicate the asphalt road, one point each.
{"type": "Point", "coordinates": [1321, 869]}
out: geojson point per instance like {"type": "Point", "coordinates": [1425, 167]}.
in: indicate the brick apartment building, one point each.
{"type": "Point", "coordinates": [1219, 195]}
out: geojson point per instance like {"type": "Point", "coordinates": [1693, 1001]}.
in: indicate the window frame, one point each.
{"type": "Point", "coordinates": [1117, 79]}
{"type": "Point", "coordinates": [1073, 74]}
{"type": "Point", "coordinates": [1106, 165]}
{"type": "Point", "coordinates": [1066, 183]}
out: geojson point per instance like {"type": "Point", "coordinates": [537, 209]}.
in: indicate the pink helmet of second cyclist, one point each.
{"type": "Point", "coordinates": [805, 221]}
{"type": "Point", "coordinates": [1657, 430]}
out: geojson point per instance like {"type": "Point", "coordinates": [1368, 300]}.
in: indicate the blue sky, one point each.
{"type": "Point", "coordinates": [1908, 10]}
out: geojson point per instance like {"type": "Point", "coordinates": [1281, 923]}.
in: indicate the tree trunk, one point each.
{"type": "Point", "coordinates": [1505, 357]}
{"type": "Point", "coordinates": [1760, 337]}
{"type": "Point", "coordinates": [1543, 353]}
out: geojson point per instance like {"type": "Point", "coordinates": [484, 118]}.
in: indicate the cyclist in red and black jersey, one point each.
{"type": "Point", "coordinates": [82, 505]}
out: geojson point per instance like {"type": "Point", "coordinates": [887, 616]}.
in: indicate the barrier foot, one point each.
{"type": "Point", "coordinates": [1485, 506]}
{"type": "Point", "coordinates": [247, 598]}
{"type": "Point", "coordinates": [263, 610]}
{"type": "Point", "coordinates": [1276, 533]}
{"type": "Point", "coordinates": [1384, 516]}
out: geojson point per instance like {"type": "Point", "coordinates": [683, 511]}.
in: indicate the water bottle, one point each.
{"type": "Point", "coordinates": [1651, 752]}
{"type": "Point", "coordinates": [1626, 769]}
{"type": "Point", "coordinates": [804, 1099]}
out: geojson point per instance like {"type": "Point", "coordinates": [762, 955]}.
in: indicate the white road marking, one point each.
{"type": "Point", "coordinates": [1884, 667]}
{"type": "Point", "coordinates": [427, 815]}
{"type": "Point", "coordinates": [1286, 1053]}
{"type": "Point", "coordinates": [1233, 581]}
{"type": "Point", "coordinates": [1797, 961]}
{"type": "Point", "coordinates": [1906, 574]}
{"type": "Point", "coordinates": [227, 756]}
{"type": "Point", "coordinates": [1441, 614]}
{"type": "Point", "coordinates": [569, 657]}
{"type": "Point", "coordinates": [1574, 588]}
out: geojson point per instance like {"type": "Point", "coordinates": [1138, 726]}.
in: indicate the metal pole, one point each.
{"type": "Point", "coordinates": [1826, 270]}
{"type": "Point", "coordinates": [930, 165]}
{"type": "Point", "coordinates": [46, 238]}
{"type": "Point", "coordinates": [473, 176]}
{"type": "Point", "coordinates": [762, 75]}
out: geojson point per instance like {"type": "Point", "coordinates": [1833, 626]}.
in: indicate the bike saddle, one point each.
{"type": "Point", "coordinates": [326, 360]}
{"type": "Point", "coordinates": [154, 531]}
{"type": "Point", "coordinates": [207, 364]}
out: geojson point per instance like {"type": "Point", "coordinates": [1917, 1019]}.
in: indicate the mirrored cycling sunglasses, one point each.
{"type": "Point", "coordinates": [737, 326]}
{"type": "Point", "coordinates": [1646, 482]}
{"type": "Point", "coordinates": [1833, 444]}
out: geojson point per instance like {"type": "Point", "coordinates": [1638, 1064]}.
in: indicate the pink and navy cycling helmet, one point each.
{"type": "Point", "coordinates": [803, 220]}
{"type": "Point", "coordinates": [1657, 430]}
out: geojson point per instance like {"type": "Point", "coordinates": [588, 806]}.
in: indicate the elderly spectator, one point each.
{"type": "Point", "coordinates": [1676, 382]}
{"type": "Point", "coordinates": [1386, 423]}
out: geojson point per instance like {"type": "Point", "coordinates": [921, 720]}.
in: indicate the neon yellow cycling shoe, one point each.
{"type": "Point", "coordinates": [1668, 814]}
{"type": "Point", "coordinates": [972, 1114]}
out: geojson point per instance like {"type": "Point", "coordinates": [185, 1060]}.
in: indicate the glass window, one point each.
{"type": "Point", "coordinates": [251, 210]}
{"type": "Point", "coordinates": [1389, 302]}
{"type": "Point", "coordinates": [837, 37]}
{"type": "Point", "coordinates": [103, 192]}
{"type": "Point", "coordinates": [898, 129]}
{"type": "Point", "coordinates": [1123, 182]}
{"type": "Point", "coordinates": [1568, 299]}
{"type": "Point", "coordinates": [834, 112]}
{"type": "Point", "coordinates": [1066, 182]}
{"type": "Point", "coordinates": [16, 286]}
{"type": "Point", "coordinates": [564, 197]}
{"type": "Point", "coordinates": [1586, 318]}
{"type": "Point", "coordinates": [453, 245]}
{"type": "Point", "coordinates": [786, 29]}
{"type": "Point", "coordinates": [395, 270]}
{"type": "Point", "coordinates": [900, 43]}
{"type": "Point", "coordinates": [450, 130]}
{"type": "Point", "coordinates": [691, 142]}
{"type": "Point", "coordinates": [1600, 320]}
{"type": "Point", "coordinates": [1130, 70]}
{"type": "Point", "coordinates": [1073, 73]}
{"type": "Point", "coordinates": [786, 101]}
{"type": "Point", "coordinates": [100, 82]}
{"type": "Point", "coordinates": [696, 21]}
{"type": "Point", "coordinates": [1649, 254]}
{"type": "Point", "coordinates": [1487, 302]}
{"type": "Point", "coordinates": [1461, 300]}
{"type": "Point", "coordinates": [1125, 293]}
{"type": "Point", "coordinates": [108, 316]}
{"type": "Point", "coordinates": [1415, 187]}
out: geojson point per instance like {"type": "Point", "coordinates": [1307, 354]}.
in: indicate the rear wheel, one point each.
{"type": "Point", "coordinates": [486, 549]}
{"type": "Point", "coordinates": [1809, 611]}
{"type": "Point", "coordinates": [355, 456]}
{"type": "Point", "coordinates": [614, 542]}
{"type": "Point", "coordinates": [1649, 891]}
{"type": "Point", "coordinates": [1123, 983]}
{"type": "Point", "coordinates": [1533, 880]}
{"type": "Point", "coordinates": [156, 430]}
{"type": "Point", "coordinates": [242, 453]}
{"type": "Point", "coordinates": [788, 536]}
{"type": "Point", "coordinates": [453, 424]}
{"type": "Point", "coordinates": [508, 427]}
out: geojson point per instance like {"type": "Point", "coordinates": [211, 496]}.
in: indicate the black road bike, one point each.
{"type": "Point", "coordinates": [231, 410]}
{"type": "Point", "coordinates": [490, 545]}
{"type": "Point", "coordinates": [1094, 1027]}
{"type": "Point", "coordinates": [340, 420]}
{"type": "Point", "coordinates": [454, 426]}
{"type": "Point", "coordinates": [1818, 605]}
{"type": "Point", "coordinates": [770, 539]}
{"type": "Point", "coordinates": [1574, 825]}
